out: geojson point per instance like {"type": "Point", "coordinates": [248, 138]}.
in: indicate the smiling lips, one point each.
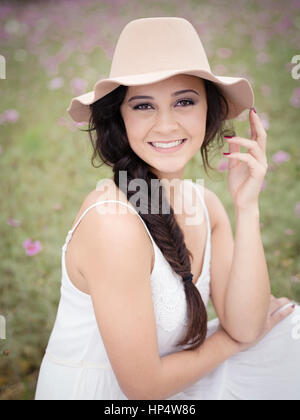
{"type": "Point", "coordinates": [167, 146]}
{"type": "Point", "coordinates": [167, 141]}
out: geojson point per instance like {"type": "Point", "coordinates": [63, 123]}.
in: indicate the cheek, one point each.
{"type": "Point", "coordinates": [195, 126]}
{"type": "Point", "coordinates": [194, 120]}
{"type": "Point", "coordinates": [136, 130]}
{"type": "Point", "coordinates": [200, 123]}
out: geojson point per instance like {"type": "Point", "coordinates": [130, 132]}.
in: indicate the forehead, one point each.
{"type": "Point", "coordinates": [168, 86]}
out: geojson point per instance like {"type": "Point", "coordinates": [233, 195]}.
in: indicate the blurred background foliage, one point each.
{"type": "Point", "coordinates": [57, 50]}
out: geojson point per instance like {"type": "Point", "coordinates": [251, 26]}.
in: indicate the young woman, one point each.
{"type": "Point", "coordinates": [132, 320]}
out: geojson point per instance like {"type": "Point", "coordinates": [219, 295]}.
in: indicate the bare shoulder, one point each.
{"type": "Point", "coordinates": [110, 220]}
{"type": "Point", "coordinates": [109, 196]}
{"type": "Point", "coordinates": [104, 191]}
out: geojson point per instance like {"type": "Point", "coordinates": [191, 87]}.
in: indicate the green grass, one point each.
{"type": "Point", "coordinates": [44, 163]}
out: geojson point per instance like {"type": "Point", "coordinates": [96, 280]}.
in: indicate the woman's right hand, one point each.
{"type": "Point", "coordinates": [275, 315]}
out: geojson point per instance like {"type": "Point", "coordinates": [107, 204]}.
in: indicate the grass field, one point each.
{"type": "Point", "coordinates": [57, 50]}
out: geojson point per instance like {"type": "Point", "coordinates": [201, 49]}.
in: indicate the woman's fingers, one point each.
{"type": "Point", "coordinates": [253, 148]}
{"type": "Point", "coordinates": [278, 310]}
{"type": "Point", "coordinates": [258, 129]}
{"type": "Point", "coordinates": [252, 124]}
{"type": "Point", "coordinates": [283, 301]}
{"type": "Point", "coordinates": [282, 313]}
{"type": "Point", "coordinates": [256, 168]}
{"type": "Point", "coordinates": [279, 305]}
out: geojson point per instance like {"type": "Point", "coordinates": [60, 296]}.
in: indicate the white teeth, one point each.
{"type": "Point", "coordinates": [167, 145]}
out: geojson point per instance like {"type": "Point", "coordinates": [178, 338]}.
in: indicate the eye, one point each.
{"type": "Point", "coordinates": [137, 106]}
{"type": "Point", "coordinates": [189, 101]}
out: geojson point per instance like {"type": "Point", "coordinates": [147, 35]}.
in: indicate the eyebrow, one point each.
{"type": "Point", "coordinates": [179, 92]}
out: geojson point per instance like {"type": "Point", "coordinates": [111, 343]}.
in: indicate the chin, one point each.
{"type": "Point", "coordinates": [168, 171]}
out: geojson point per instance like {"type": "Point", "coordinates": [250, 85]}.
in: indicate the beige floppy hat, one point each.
{"type": "Point", "coordinates": [152, 49]}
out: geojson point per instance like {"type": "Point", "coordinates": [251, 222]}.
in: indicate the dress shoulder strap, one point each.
{"type": "Point", "coordinates": [70, 232]}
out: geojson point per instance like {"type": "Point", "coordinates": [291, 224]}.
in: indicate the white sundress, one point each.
{"type": "Point", "coordinates": [76, 366]}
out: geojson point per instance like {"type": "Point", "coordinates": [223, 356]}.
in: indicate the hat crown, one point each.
{"type": "Point", "coordinates": [149, 45]}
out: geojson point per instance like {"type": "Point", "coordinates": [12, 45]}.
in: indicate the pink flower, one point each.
{"type": "Point", "coordinates": [10, 115]}
{"type": "Point", "coordinates": [13, 222]}
{"type": "Point", "coordinates": [32, 248]}
{"type": "Point", "coordinates": [259, 39]}
{"type": "Point", "coordinates": [57, 206]}
{"type": "Point", "coordinates": [56, 83]}
{"type": "Point", "coordinates": [70, 124]}
{"type": "Point", "coordinates": [281, 157]}
{"type": "Point", "coordinates": [271, 167]}
{"type": "Point", "coordinates": [264, 184]}
{"type": "Point", "coordinates": [223, 165]}
{"type": "Point", "coordinates": [4, 10]}
{"type": "Point", "coordinates": [283, 24]}
{"type": "Point", "coordinates": [289, 231]}
{"type": "Point", "coordinates": [78, 85]}
{"type": "Point", "coordinates": [264, 120]}
{"type": "Point", "coordinates": [224, 52]}
{"type": "Point", "coordinates": [67, 123]}
{"type": "Point", "coordinates": [297, 209]}
{"type": "Point", "coordinates": [295, 98]}
{"type": "Point", "coordinates": [262, 57]}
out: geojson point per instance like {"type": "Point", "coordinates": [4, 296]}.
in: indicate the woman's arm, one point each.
{"type": "Point", "coordinates": [248, 291]}
{"type": "Point", "coordinates": [244, 295]}
{"type": "Point", "coordinates": [182, 369]}
{"type": "Point", "coordinates": [240, 288]}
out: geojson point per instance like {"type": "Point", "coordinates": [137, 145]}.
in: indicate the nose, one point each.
{"type": "Point", "coordinates": [165, 123]}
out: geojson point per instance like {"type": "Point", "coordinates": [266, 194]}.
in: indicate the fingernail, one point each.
{"type": "Point", "coordinates": [254, 110]}
{"type": "Point", "coordinates": [226, 153]}
{"type": "Point", "coordinates": [228, 137]}
{"type": "Point", "coordinates": [293, 306]}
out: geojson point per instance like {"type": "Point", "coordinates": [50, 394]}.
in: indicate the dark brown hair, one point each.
{"type": "Point", "coordinates": [112, 147]}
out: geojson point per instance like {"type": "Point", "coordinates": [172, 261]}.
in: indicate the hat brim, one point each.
{"type": "Point", "coordinates": [237, 91]}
